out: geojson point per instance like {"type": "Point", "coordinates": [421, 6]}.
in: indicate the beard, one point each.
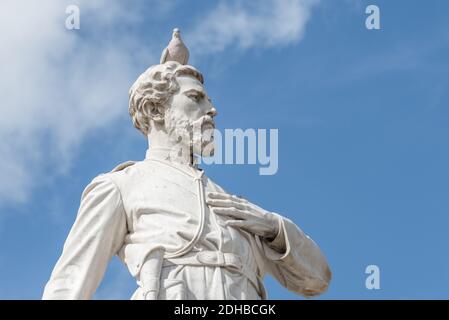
{"type": "Point", "coordinates": [194, 137]}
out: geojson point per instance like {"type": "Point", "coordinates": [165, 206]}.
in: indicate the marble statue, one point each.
{"type": "Point", "coordinates": [179, 233]}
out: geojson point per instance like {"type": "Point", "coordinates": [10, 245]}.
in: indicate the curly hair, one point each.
{"type": "Point", "coordinates": [155, 87]}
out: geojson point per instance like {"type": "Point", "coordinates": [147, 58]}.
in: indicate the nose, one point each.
{"type": "Point", "coordinates": [212, 112]}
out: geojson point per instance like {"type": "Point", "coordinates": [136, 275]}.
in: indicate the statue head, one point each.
{"type": "Point", "coordinates": [170, 99]}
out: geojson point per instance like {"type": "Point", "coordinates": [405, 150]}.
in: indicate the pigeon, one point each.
{"type": "Point", "coordinates": [176, 49]}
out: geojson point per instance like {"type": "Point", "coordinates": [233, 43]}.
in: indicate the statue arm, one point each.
{"type": "Point", "coordinates": [96, 236]}
{"type": "Point", "coordinates": [295, 260]}
{"type": "Point", "coordinates": [286, 252]}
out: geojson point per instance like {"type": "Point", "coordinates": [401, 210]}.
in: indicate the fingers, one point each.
{"type": "Point", "coordinates": [231, 212]}
{"type": "Point", "coordinates": [225, 196]}
{"type": "Point", "coordinates": [226, 204]}
{"type": "Point", "coordinates": [238, 224]}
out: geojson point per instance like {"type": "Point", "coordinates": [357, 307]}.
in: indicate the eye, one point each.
{"type": "Point", "coordinates": [196, 96]}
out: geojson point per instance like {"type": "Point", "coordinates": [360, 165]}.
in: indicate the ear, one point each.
{"type": "Point", "coordinates": [156, 112]}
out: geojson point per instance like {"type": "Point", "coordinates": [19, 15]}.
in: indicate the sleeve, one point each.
{"type": "Point", "coordinates": [95, 237]}
{"type": "Point", "coordinates": [295, 260]}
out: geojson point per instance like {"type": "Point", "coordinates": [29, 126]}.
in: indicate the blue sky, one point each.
{"type": "Point", "coordinates": [362, 115]}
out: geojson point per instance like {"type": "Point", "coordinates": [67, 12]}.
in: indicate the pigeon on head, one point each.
{"type": "Point", "coordinates": [176, 49]}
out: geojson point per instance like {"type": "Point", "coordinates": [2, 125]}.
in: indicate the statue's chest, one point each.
{"type": "Point", "coordinates": [160, 196]}
{"type": "Point", "coordinates": [167, 201]}
{"type": "Point", "coordinates": [168, 210]}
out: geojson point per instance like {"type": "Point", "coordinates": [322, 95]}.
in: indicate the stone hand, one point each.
{"type": "Point", "coordinates": [244, 214]}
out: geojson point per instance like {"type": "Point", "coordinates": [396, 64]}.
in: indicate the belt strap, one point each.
{"type": "Point", "coordinates": [218, 259]}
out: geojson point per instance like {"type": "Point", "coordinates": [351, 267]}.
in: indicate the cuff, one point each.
{"type": "Point", "coordinates": [278, 243]}
{"type": "Point", "coordinates": [279, 247]}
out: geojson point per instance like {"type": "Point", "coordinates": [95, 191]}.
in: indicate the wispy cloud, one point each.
{"type": "Point", "coordinates": [245, 24]}
{"type": "Point", "coordinates": [57, 85]}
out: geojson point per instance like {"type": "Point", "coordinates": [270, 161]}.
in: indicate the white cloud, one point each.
{"type": "Point", "coordinates": [58, 85]}
{"type": "Point", "coordinates": [245, 24]}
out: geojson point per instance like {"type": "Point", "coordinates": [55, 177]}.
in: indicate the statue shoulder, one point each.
{"type": "Point", "coordinates": [118, 171]}
{"type": "Point", "coordinates": [119, 175]}
{"type": "Point", "coordinates": [123, 166]}
{"type": "Point", "coordinates": [108, 175]}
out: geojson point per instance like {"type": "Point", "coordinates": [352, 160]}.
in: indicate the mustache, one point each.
{"type": "Point", "coordinates": [203, 121]}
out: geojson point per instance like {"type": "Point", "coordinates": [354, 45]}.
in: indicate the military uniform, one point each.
{"type": "Point", "coordinates": [153, 215]}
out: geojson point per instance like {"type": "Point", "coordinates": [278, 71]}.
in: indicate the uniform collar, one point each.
{"type": "Point", "coordinates": [171, 156]}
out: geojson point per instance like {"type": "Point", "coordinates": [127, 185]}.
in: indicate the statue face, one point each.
{"type": "Point", "coordinates": [189, 119]}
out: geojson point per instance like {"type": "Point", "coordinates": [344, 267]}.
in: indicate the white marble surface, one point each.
{"type": "Point", "coordinates": [179, 233]}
